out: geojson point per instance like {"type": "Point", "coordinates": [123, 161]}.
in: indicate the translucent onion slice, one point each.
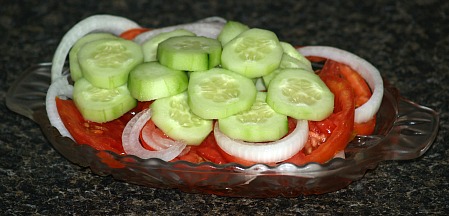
{"type": "Point", "coordinates": [370, 73]}
{"type": "Point", "coordinates": [206, 28]}
{"type": "Point", "coordinates": [132, 146]}
{"type": "Point", "coordinates": [269, 152]}
{"type": "Point", "coordinates": [152, 139]}
{"type": "Point", "coordinates": [96, 23]}
{"type": "Point", "coordinates": [59, 88]}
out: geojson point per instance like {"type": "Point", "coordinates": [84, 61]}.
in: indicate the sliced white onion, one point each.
{"type": "Point", "coordinates": [275, 151]}
{"type": "Point", "coordinates": [203, 28]}
{"type": "Point", "coordinates": [59, 88]}
{"type": "Point", "coordinates": [154, 141]}
{"type": "Point", "coordinates": [132, 146]}
{"type": "Point", "coordinates": [96, 23]}
{"type": "Point", "coordinates": [370, 73]}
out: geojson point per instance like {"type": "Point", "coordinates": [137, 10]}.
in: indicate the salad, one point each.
{"type": "Point", "coordinates": [213, 90]}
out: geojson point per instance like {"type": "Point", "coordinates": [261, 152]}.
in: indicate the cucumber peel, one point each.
{"type": "Point", "coordinates": [253, 53]}
{"type": "Point", "coordinates": [75, 70]}
{"type": "Point", "coordinates": [219, 93]}
{"type": "Point", "coordinates": [106, 63]}
{"type": "Point", "coordinates": [100, 104]}
{"type": "Point", "coordinates": [189, 53]}
{"type": "Point", "coordinates": [174, 117]}
{"type": "Point", "coordinates": [151, 80]}
{"type": "Point", "coordinates": [300, 94]}
{"type": "Point", "coordinates": [149, 47]}
{"type": "Point", "coordinates": [260, 123]}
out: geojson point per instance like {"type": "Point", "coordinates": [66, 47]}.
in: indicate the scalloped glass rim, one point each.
{"type": "Point", "coordinates": [404, 131]}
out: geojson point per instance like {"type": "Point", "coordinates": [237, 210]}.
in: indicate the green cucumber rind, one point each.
{"type": "Point", "coordinates": [75, 69]}
{"type": "Point", "coordinates": [208, 109]}
{"type": "Point", "coordinates": [264, 123]}
{"type": "Point", "coordinates": [149, 47]}
{"type": "Point", "coordinates": [173, 54]}
{"type": "Point", "coordinates": [302, 62]}
{"type": "Point", "coordinates": [151, 80]}
{"type": "Point", "coordinates": [105, 73]}
{"type": "Point", "coordinates": [167, 112]}
{"type": "Point", "coordinates": [321, 109]}
{"type": "Point", "coordinates": [230, 30]}
{"type": "Point", "coordinates": [95, 107]}
{"type": "Point", "coordinates": [242, 56]}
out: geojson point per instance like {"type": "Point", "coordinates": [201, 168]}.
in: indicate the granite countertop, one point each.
{"type": "Point", "coordinates": [407, 40]}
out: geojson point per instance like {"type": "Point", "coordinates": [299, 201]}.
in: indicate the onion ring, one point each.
{"type": "Point", "coordinates": [132, 145]}
{"type": "Point", "coordinates": [370, 73]}
{"type": "Point", "coordinates": [96, 23]}
{"type": "Point", "coordinates": [269, 152]}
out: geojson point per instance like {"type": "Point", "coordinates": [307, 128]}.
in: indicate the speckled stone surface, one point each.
{"type": "Point", "coordinates": [407, 40]}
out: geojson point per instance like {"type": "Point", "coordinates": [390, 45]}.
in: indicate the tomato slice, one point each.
{"type": "Point", "coordinates": [101, 136]}
{"type": "Point", "coordinates": [132, 33]}
{"type": "Point", "coordinates": [150, 130]}
{"type": "Point", "coordinates": [358, 84]}
{"type": "Point", "coordinates": [210, 151]}
{"type": "Point", "coordinates": [339, 124]}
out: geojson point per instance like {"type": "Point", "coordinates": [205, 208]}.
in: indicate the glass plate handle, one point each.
{"type": "Point", "coordinates": [27, 94]}
{"type": "Point", "coordinates": [413, 132]}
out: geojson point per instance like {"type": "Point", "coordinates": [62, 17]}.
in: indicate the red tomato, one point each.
{"type": "Point", "coordinates": [358, 84]}
{"type": "Point", "coordinates": [132, 33]}
{"type": "Point", "coordinates": [101, 136]}
{"type": "Point", "coordinates": [341, 122]}
{"type": "Point", "coordinates": [151, 130]}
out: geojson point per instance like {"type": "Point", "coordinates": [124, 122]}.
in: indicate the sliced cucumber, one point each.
{"type": "Point", "coordinates": [219, 93]}
{"type": "Point", "coordinates": [267, 78]}
{"type": "Point", "coordinates": [189, 53]}
{"type": "Point", "coordinates": [253, 53]}
{"type": "Point", "coordinates": [149, 47]}
{"type": "Point", "coordinates": [230, 30]}
{"type": "Point", "coordinates": [258, 124]}
{"type": "Point", "coordinates": [292, 52]}
{"type": "Point", "coordinates": [106, 63]}
{"type": "Point", "coordinates": [286, 62]}
{"type": "Point", "coordinates": [300, 94]}
{"type": "Point", "coordinates": [260, 85]}
{"type": "Point", "coordinates": [75, 70]}
{"type": "Point", "coordinates": [174, 117]}
{"type": "Point", "coordinates": [99, 104]}
{"type": "Point", "coordinates": [151, 80]}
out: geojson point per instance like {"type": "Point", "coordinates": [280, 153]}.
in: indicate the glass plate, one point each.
{"type": "Point", "coordinates": [404, 131]}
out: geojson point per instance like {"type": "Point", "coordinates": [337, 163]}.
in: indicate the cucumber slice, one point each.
{"type": "Point", "coordinates": [292, 52]}
{"type": "Point", "coordinates": [300, 94]}
{"type": "Point", "coordinates": [149, 47]}
{"type": "Point", "coordinates": [151, 80]}
{"type": "Point", "coordinates": [267, 78]}
{"type": "Point", "coordinates": [99, 104]}
{"type": "Point", "coordinates": [258, 124]}
{"type": "Point", "coordinates": [219, 93]}
{"type": "Point", "coordinates": [75, 70]}
{"type": "Point", "coordinates": [106, 63]}
{"type": "Point", "coordinates": [174, 117]}
{"type": "Point", "coordinates": [230, 30]}
{"type": "Point", "coordinates": [286, 62]}
{"type": "Point", "coordinates": [189, 53]}
{"type": "Point", "coordinates": [253, 53]}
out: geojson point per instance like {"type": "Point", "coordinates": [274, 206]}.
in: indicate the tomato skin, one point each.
{"type": "Point", "coordinates": [365, 128]}
{"type": "Point", "coordinates": [101, 136]}
{"type": "Point", "coordinates": [358, 84]}
{"type": "Point", "coordinates": [132, 33]}
{"type": "Point", "coordinates": [342, 117]}
{"type": "Point", "coordinates": [210, 151]}
{"type": "Point", "coordinates": [106, 136]}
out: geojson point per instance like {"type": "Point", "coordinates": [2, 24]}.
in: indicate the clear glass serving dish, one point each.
{"type": "Point", "coordinates": [404, 131]}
